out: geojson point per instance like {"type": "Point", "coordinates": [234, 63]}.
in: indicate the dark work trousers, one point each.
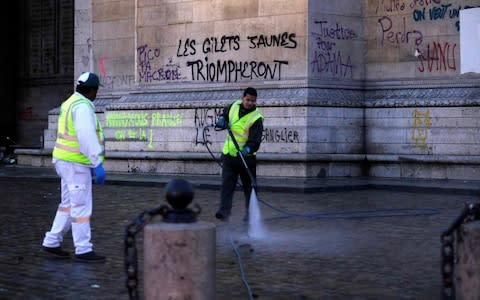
{"type": "Point", "coordinates": [232, 167]}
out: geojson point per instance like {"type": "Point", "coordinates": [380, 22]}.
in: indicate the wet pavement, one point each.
{"type": "Point", "coordinates": [359, 247]}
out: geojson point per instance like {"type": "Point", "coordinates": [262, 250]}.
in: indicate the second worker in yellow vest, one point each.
{"type": "Point", "coordinates": [246, 123]}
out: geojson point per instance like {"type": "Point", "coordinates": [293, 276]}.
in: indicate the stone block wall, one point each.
{"type": "Point", "coordinates": [424, 131]}
{"type": "Point", "coordinates": [145, 134]}
{"type": "Point", "coordinates": [409, 39]}
{"type": "Point", "coordinates": [336, 43]}
{"type": "Point", "coordinates": [420, 113]}
{"type": "Point", "coordinates": [348, 88]}
{"type": "Point", "coordinates": [160, 44]}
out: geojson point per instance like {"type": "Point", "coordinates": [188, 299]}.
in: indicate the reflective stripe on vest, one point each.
{"type": "Point", "coordinates": [240, 127]}
{"type": "Point", "coordinates": [67, 147]}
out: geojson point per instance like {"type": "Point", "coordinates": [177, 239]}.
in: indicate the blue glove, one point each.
{"type": "Point", "coordinates": [99, 174]}
{"type": "Point", "coordinates": [221, 123]}
{"type": "Point", "coordinates": [245, 150]}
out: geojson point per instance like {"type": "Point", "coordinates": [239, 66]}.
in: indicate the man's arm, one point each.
{"type": "Point", "coordinates": [226, 112]}
{"type": "Point", "coordinates": [255, 136]}
{"type": "Point", "coordinates": [85, 124]}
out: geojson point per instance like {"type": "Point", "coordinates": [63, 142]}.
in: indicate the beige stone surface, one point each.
{"type": "Point", "coordinates": [155, 16]}
{"type": "Point", "coordinates": [179, 261]}
{"type": "Point", "coordinates": [431, 130]}
{"type": "Point", "coordinates": [223, 10]}
{"type": "Point", "coordinates": [467, 275]}
{"type": "Point", "coordinates": [133, 45]}
{"type": "Point", "coordinates": [179, 12]}
{"type": "Point", "coordinates": [282, 7]}
{"type": "Point", "coordinates": [115, 48]}
{"type": "Point", "coordinates": [394, 30]}
{"type": "Point", "coordinates": [113, 10]}
{"type": "Point", "coordinates": [143, 3]}
{"type": "Point", "coordinates": [114, 29]}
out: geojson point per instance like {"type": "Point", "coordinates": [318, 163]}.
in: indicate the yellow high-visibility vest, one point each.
{"type": "Point", "coordinates": [240, 127]}
{"type": "Point", "coordinates": [67, 147]}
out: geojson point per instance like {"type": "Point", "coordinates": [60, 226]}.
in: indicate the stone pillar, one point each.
{"type": "Point", "coordinates": [467, 278]}
{"type": "Point", "coordinates": [179, 261]}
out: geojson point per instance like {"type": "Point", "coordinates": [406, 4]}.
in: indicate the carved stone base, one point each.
{"type": "Point", "coordinates": [467, 272]}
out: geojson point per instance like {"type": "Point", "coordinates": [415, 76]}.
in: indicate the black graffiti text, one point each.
{"type": "Point", "coordinates": [233, 71]}
{"type": "Point", "coordinates": [337, 32]}
{"type": "Point", "coordinates": [205, 119]}
{"type": "Point", "coordinates": [283, 135]}
{"type": "Point", "coordinates": [223, 44]}
{"type": "Point", "coordinates": [285, 39]}
{"type": "Point", "coordinates": [186, 48]}
{"type": "Point", "coordinates": [332, 62]}
{"type": "Point", "coordinates": [202, 136]}
{"type": "Point", "coordinates": [206, 116]}
{"type": "Point", "coordinates": [109, 82]}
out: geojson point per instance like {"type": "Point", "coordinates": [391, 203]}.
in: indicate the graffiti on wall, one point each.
{"type": "Point", "coordinates": [328, 57]}
{"type": "Point", "coordinates": [112, 81]}
{"type": "Point", "coordinates": [139, 126]}
{"type": "Point", "coordinates": [282, 135]}
{"type": "Point", "coordinates": [234, 71]}
{"type": "Point", "coordinates": [398, 24]}
{"type": "Point", "coordinates": [151, 68]}
{"type": "Point", "coordinates": [204, 120]}
{"type": "Point", "coordinates": [28, 114]}
{"type": "Point", "coordinates": [437, 57]}
{"type": "Point", "coordinates": [398, 6]}
{"type": "Point", "coordinates": [210, 69]}
{"type": "Point", "coordinates": [109, 81]}
{"type": "Point", "coordinates": [440, 12]}
{"type": "Point", "coordinates": [420, 128]}
{"type": "Point", "coordinates": [396, 32]}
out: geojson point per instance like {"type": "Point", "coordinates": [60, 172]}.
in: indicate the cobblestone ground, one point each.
{"type": "Point", "coordinates": [342, 258]}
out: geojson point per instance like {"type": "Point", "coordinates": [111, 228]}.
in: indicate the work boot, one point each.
{"type": "Point", "coordinates": [56, 252]}
{"type": "Point", "coordinates": [89, 257]}
{"type": "Point", "coordinates": [222, 215]}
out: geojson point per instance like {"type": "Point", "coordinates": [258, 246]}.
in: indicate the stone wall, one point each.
{"type": "Point", "coordinates": [336, 42]}
{"type": "Point", "coordinates": [160, 44]}
{"type": "Point", "coordinates": [420, 112]}
{"type": "Point", "coordinates": [348, 88]}
{"type": "Point", "coordinates": [409, 39]}
{"type": "Point", "coordinates": [190, 59]}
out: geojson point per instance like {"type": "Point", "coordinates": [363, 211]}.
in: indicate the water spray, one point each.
{"type": "Point", "coordinates": [257, 231]}
{"type": "Point", "coordinates": [255, 226]}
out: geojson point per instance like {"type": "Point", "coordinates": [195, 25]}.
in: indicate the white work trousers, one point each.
{"type": "Point", "coordinates": [75, 208]}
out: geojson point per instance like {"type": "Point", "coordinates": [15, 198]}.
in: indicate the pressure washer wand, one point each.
{"type": "Point", "coordinates": [252, 179]}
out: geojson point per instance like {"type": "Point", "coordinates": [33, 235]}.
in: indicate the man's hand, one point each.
{"type": "Point", "coordinates": [245, 150]}
{"type": "Point", "coordinates": [221, 123]}
{"type": "Point", "coordinates": [99, 174]}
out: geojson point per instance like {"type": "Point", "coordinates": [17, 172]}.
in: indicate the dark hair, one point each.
{"type": "Point", "coordinates": [250, 91]}
{"type": "Point", "coordinates": [85, 89]}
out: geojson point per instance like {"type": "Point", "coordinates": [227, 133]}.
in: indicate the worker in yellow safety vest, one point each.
{"type": "Point", "coordinates": [78, 156]}
{"type": "Point", "coordinates": [245, 121]}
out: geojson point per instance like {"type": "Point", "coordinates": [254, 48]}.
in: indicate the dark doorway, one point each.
{"type": "Point", "coordinates": [41, 59]}
{"type": "Point", "coordinates": [10, 23]}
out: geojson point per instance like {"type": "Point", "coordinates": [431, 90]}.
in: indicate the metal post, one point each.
{"type": "Point", "coordinates": [179, 253]}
